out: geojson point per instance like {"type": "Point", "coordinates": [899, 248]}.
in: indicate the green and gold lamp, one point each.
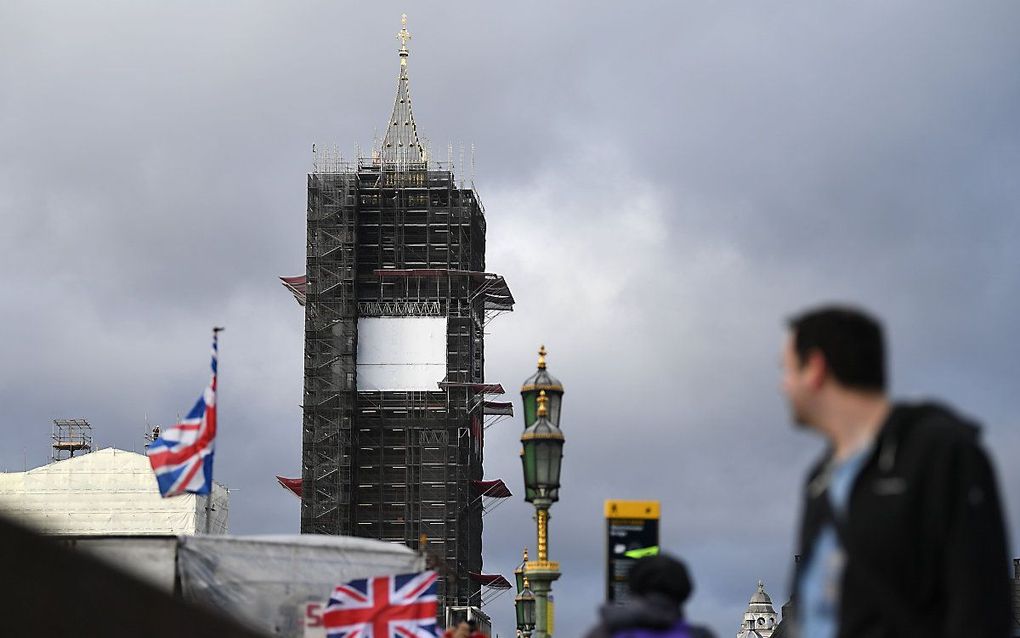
{"type": "Point", "coordinates": [541, 382]}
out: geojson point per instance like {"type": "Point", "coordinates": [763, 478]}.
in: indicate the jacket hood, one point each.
{"type": "Point", "coordinates": [906, 416]}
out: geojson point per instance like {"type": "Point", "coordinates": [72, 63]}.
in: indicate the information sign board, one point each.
{"type": "Point", "coordinates": [632, 532]}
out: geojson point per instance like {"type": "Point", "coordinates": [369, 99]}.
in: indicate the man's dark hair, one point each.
{"type": "Point", "coordinates": [661, 574]}
{"type": "Point", "coordinates": [850, 340]}
{"type": "Point", "coordinates": [472, 624]}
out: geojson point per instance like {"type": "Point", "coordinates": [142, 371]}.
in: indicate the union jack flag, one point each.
{"type": "Point", "coordinates": [401, 606]}
{"type": "Point", "coordinates": [182, 456]}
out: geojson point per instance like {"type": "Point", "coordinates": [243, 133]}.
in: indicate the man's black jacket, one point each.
{"type": "Point", "coordinates": [923, 534]}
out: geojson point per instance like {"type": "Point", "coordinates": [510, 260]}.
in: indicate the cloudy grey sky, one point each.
{"type": "Point", "coordinates": [664, 183]}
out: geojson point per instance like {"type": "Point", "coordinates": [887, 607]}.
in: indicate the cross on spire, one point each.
{"type": "Point", "coordinates": [403, 35]}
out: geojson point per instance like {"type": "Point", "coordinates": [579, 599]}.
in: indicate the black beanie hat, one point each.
{"type": "Point", "coordinates": [661, 574]}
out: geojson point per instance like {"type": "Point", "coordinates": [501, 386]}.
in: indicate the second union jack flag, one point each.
{"type": "Point", "coordinates": [401, 606]}
{"type": "Point", "coordinates": [182, 456]}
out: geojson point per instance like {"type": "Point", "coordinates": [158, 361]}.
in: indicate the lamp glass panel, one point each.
{"type": "Point", "coordinates": [548, 453]}
{"type": "Point", "coordinates": [530, 400]}
{"type": "Point", "coordinates": [542, 464]}
{"type": "Point", "coordinates": [528, 461]}
{"type": "Point", "coordinates": [556, 463]}
{"type": "Point", "coordinates": [555, 401]}
{"type": "Point", "coordinates": [529, 611]}
{"type": "Point", "coordinates": [555, 457]}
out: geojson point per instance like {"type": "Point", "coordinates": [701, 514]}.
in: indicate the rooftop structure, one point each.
{"type": "Point", "coordinates": [70, 436]}
{"type": "Point", "coordinates": [105, 493]}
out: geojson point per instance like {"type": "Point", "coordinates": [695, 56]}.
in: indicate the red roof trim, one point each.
{"type": "Point", "coordinates": [495, 488]}
{"type": "Point", "coordinates": [498, 407]}
{"type": "Point", "coordinates": [297, 285]}
{"type": "Point", "coordinates": [495, 581]}
{"type": "Point", "coordinates": [292, 485]}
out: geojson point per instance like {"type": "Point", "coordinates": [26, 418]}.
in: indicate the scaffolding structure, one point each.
{"type": "Point", "coordinates": [70, 436]}
{"type": "Point", "coordinates": [392, 448]}
{"type": "Point", "coordinates": [398, 240]}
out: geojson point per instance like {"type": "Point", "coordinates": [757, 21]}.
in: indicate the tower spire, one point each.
{"type": "Point", "coordinates": [401, 144]}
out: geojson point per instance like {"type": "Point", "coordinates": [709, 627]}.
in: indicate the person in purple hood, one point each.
{"type": "Point", "coordinates": [659, 585]}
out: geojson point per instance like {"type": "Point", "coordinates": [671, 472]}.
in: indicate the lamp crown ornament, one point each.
{"type": "Point", "coordinates": [543, 401]}
{"type": "Point", "coordinates": [541, 357]}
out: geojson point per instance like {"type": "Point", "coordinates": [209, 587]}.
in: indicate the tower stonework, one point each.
{"type": "Point", "coordinates": [396, 300]}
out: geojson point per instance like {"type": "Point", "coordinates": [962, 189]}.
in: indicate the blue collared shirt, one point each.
{"type": "Point", "coordinates": [818, 595]}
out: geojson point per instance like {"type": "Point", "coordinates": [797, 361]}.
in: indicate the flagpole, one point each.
{"type": "Point", "coordinates": [208, 499]}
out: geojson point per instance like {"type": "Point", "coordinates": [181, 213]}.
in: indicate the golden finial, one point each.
{"type": "Point", "coordinates": [541, 357]}
{"type": "Point", "coordinates": [542, 401]}
{"type": "Point", "coordinates": [403, 35]}
{"type": "Point", "coordinates": [525, 554]}
{"type": "Point", "coordinates": [526, 585]}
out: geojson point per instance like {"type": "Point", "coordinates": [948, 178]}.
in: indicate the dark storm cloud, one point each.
{"type": "Point", "coordinates": [664, 183]}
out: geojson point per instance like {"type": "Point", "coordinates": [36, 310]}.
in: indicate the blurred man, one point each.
{"type": "Point", "coordinates": [902, 531]}
{"type": "Point", "coordinates": [659, 586]}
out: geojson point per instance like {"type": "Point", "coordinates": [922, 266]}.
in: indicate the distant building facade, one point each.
{"type": "Point", "coordinates": [109, 492]}
{"type": "Point", "coordinates": [760, 619]}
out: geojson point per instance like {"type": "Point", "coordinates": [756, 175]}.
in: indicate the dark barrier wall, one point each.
{"type": "Point", "coordinates": [47, 590]}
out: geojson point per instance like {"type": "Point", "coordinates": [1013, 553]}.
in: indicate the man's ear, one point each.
{"type": "Point", "coordinates": [816, 369]}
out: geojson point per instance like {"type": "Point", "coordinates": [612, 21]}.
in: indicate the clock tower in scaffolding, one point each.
{"type": "Point", "coordinates": [397, 298]}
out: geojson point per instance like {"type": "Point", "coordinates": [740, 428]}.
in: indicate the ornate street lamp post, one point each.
{"type": "Point", "coordinates": [525, 605]}
{"type": "Point", "coordinates": [541, 457]}
{"type": "Point", "coordinates": [534, 384]}
{"type": "Point", "coordinates": [519, 582]}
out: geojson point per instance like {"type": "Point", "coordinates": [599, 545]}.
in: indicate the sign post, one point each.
{"type": "Point", "coordinates": [632, 532]}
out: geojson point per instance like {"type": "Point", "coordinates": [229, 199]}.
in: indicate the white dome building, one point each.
{"type": "Point", "coordinates": [760, 619]}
